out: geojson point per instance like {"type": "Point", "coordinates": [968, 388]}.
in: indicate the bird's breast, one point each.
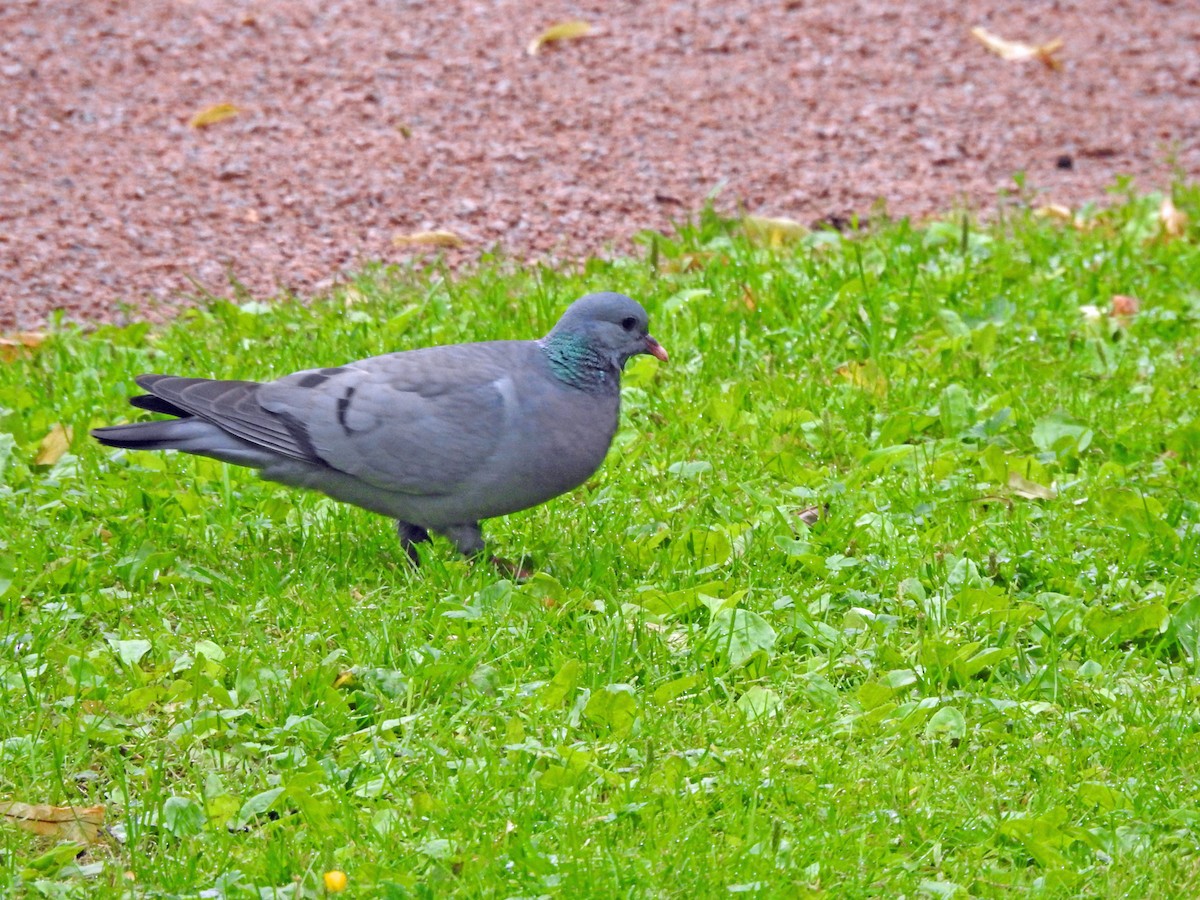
{"type": "Point", "coordinates": [557, 445]}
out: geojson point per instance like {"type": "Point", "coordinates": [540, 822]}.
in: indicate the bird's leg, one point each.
{"type": "Point", "coordinates": [410, 536]}
{"type": "Point", "coordinates": [467, 538]}
{"type": "Point", "coordinates": [469, 541]}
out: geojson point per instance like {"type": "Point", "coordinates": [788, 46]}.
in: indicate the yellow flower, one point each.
{"type": "Point", "coordinates": [335, 881]}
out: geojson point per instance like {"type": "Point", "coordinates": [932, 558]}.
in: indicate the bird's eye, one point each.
{"type": "Point", "coordinates": [628, 322]}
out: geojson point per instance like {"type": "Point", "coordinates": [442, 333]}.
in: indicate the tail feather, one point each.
{"type": "Point", "coordinates": [162, 435]}
{"type": "Point", "coordinates": [191, 435]}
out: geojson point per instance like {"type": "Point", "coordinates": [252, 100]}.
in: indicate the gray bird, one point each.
{"type": "Point", "coordinates": [437, 438]}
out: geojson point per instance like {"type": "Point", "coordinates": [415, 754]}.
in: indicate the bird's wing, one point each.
{"type": "Point", "coordinates": [420, 421]}
{"type": "Point", "coordinates": [231, 405]}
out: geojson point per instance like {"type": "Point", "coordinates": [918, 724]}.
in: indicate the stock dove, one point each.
{"type": "Point", "coordinates": [437, 438]}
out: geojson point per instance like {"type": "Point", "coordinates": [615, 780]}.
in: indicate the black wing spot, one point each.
{"type": "Point", "coordinates": [300, 435]}
{"type": "Point", "coordinates": [320, 376]}
{"type": "Point", "coordinates": [343, 405]}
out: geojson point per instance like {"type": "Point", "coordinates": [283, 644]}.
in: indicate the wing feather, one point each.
{"type": "Point", "coordinates": [233, 406]}
{"type": "Point", "coordinates": [419, 422]}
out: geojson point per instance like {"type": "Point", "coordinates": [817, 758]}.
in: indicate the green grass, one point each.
{"type": "Point", "coordinates": [947, 686]}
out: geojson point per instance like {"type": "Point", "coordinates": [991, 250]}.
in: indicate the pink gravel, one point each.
{"type": "Point", "coordinates": [363, 120]}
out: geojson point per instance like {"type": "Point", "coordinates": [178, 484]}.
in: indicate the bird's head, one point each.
{"type": "Point", "coordinates": [609, 325]}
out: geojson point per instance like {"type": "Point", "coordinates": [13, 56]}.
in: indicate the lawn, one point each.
{"type": "Point", "coordinates": [889, 587]}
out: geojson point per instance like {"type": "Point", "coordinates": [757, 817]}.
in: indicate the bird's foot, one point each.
{"type": "Point", "coordinates": [517, 571]}
{"type": "Point", "coordinates": [410, 536]}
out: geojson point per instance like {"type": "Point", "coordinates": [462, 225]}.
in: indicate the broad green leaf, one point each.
{"type": "Point", "coordinates": [942, 890]}
{"type": "Point", "coordinates": [759, 703]}
{"type": "Point", "coordinates": [981, 660]}
{"type": "Point", "coordinates": [1102, 795]}
{"type": "Point", "coordinates": [953, 324]}
{"type": "Point", "coordinates": [436, 848]}
{"type": "Point", "coordinates": [738, 634]}
{"type": "Point", "coordinates": [614, 705]}
{"type": "Point", "coordinates": [690, 469]}
{"type": "Point", "coordinates": [677, 687]}
{"type": "Point", "coordinates": [1061, 435]}
{"type": "Point", "coordinates": [576, 763]}
{"type": "Point", "coordinates": [877, 461]}
{"type": "Point", "coordinates": [702, 549]}
{"type": "Point", "coordinates": [678, 603]}
{"type": "Point", "coordinates": [182, 816]}
{"type": "Point", "coordinates": [1185, 626]}
{"type": "Point", "coordinates": [1123, 625]}
{"type": "Point", "coordinates": [946, 724]}
{"type": "Point", "coordinates": [209, 651]}
{"type": "Point", "coordinates": [257, 805]}
{"type": "Point", "coordinates": [130, 652]}
{"type": "Point", "coordinates": [872, 694]}
{"type": "Point", "coordinates": [562, 684]}
{"type": "Point", "coordinates": [955, 410]}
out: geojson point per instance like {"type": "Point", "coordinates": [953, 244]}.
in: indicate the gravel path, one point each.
{"type": "Point", "coordinates": [361, 120]}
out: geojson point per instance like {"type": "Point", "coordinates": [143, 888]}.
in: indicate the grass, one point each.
{"type": "Point", "coordinates": [974, 675]}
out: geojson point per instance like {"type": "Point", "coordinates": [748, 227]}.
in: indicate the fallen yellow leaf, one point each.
{"type": "Point", "coordinates": [80, 824]}
{"type": "Point", "coordinates": [1172, 220]}
{"type": "Point", "coordinates": [1017, 51]}
{"type": "Point", "coordinates": [1029, 490]}
{"type": "Point", "coordinates": [773, 232]}
{"type": "Point", "coordinates": [211, 115]}
{"type": "Point", "coordinates": [427, 239]}
{"type": "Point", "coordinates": [13, 345]}
{"type": "Point", "coordinates": [1060, 213]}
{"type": "Point", "coordinates": [1054, 211]}
{"type": "Point", "coordinates": [560, 31]}
{"type": "Point", "coordinates": [864, 375]}
{"type": "Point", "coordinates": [56, 442]}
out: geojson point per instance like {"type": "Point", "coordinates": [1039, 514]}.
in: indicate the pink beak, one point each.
{"type": "Point", "coordinates": [654, 348]}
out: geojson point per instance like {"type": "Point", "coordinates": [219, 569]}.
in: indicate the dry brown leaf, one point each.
{"type": "Point", "coordinates": [688, 262]}
{"type": "Point", "coordinates": [1172, 220]}
{"type": "Point", "coordinates": [56, 442]}
{"type": "Point", "coordinates": [427, 239]}
{"type": "Point", "coordinates": [773, 232]}
{"type": "Point", "coordinates": [811, 515]}
{"type": "Point", "coordinates": [864, 375]}
{"type": "Point", "coordinates": [560, 31]}
{"type": "Point", "coordinates": [1123, 306]}
{"type": "Point", "coordinates": [211, 115]}
{"type": "Point", "coordinates": [80, 824]}
{"type": "Point", "coordinates": [1029, 490]}
{"type": "Point", "coordinates": [1016, 51]}
{"type": "Point", "coordinates": [14, 345]}
{"type": "Point", "coordinates": [748, 298]}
